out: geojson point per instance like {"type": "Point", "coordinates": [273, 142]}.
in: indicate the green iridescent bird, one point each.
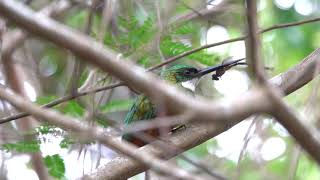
{"type": "Point", "coordinates": [144, 109]}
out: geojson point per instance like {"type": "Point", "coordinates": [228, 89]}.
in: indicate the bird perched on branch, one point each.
{"type": "Point", "coordinates": [144, 109]}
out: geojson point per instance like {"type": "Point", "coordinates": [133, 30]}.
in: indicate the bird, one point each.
{"type": "Point", "coordinates": [144, 109]}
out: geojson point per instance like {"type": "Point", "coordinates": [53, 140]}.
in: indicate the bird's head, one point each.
{"type": "Point", "coordinates": [182, 72]}
{"type": "Point", "coordinates": [179, 73]}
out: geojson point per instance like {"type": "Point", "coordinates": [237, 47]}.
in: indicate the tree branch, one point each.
{"type": "Point", "coordinates": [288, 82]}
{"type": "Point", "coordinates": [107, 60]}
{"type": "Point", "coordinates": [252, 102]}
{"type": "Point", "coordinates": [306, 136]}
{"type": "Point", "coordinates": [15, 77]}
{"type": "Point", "coordinates": [172, 59]}
{"type": "Point", "coordinates": [95, 133]}
{"type": "Point", "coordinates": [241, 38]}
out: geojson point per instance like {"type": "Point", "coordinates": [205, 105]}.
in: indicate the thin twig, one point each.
{"type": "Point", "coordinates": [61, 100]}
{"type": "Point", "coordinates": [96, 133]}
{"type": "Point", "coordinates": [246, 140]}
{"type": "Point", "coordinates": [241, 38]}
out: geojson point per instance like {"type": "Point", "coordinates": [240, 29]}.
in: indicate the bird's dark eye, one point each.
{"type": "Point", "coordinates": [190, 71]}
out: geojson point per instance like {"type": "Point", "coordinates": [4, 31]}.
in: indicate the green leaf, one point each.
{"type": "Point", "coordinates": [144, 61]}
{"type": "Point", "coordinates": [77, 20]}
{"type": "Point", "coordinates": [72, 108]}
{"type": "Point", "coordinates": [55, 165]}
{"type": "Point", "coordinates": [186, 28]}
{"type": "Point", "coordinates": [116, 105]}
{"type": "Point", "coordinates": [41, 100]}
{"type": "Point", "coordinates": [46, 129]}
{"type": "Point", "coordinates": [65, 143]}
{"type": "Point", "coordinates": [279, 165]}
{"type": "Point", "coordinates": [83, 77]}
{"type": "Point", "coordinates": [173, 48]}
{"type": "Point", "coordinates": [307, 169]}
{"type": "Point", "coordinates": [22, 147]}
{"type": "Point", "coordinates": [137, 33]}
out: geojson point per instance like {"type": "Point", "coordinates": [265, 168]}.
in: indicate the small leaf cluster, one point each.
{"type": "Point", "coordinates": [55, 165]}
{"type": "Point", "coordinates": [22, 146]}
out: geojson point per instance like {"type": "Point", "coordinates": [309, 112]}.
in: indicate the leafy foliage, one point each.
{"type": "Point", "coordinates": [41, 100]}
{"type": "Point", "coordinates": [187, 28]}
{"type": "Point", "coordinates": [172, 48]}
{"type": "Point", "coordinates": [66, 142]}
{"type": "Point", "coordinates": [22, 146]}
{"type": "Point", "coordinates": [45, 129]}
{"type": "Point", "coordinates": [76, 20]}
{"type": "Point", "coordinates": [134, 34]}
{"type": "Point", "coordinates": [72, 108]}
{"type": "Point", "coordinates": [307, 169]}
{"type": "Point", "coordinates": [55, 165]}
{"type": "Point", "coordinates": [116, 105]}
{"type": "Point", "coordinates": [138, 34]}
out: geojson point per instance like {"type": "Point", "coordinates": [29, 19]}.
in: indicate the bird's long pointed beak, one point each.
{"type": "Point", "coordinates": [217, 67]}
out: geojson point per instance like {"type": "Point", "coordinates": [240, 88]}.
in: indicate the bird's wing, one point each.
{"type": "Point", "coordinates": [142, 109]}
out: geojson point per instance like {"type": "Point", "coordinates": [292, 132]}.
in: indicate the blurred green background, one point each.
{"type": "Point", "coordinates": [148, 32]}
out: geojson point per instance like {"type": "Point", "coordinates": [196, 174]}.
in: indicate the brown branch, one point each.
{"type": "Point", "coordinates": [61, 100]}
{"type": "Point", "coordinates": [16, 76]}
{"type": "Point", "coordinates": [172, 59]}
{"type": "Point", "coordinates": [286, 25]}
{"type": "Point", "coordinates": [15, 38]}
{"type": "Point", "coordinates": [197, 134]}
{"type": "Point", "coordinates": [96, 133]}
{"type": "Point", "coordinates": [252, 102]}
{"type": "Point", "coordinates": [253, 43]}
{"type": "Point", "coordinates": [306, 136]}
{"type": "Point", "coordinates": [107, 60]}
{"type": "Point", "coordinates": [202, 13]}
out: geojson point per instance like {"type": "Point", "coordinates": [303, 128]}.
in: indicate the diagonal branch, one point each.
{"type": "Point", "coordinates": [194, 135]}
{"type": "Point", "coordinates": [15, 77]}
{"type": "Point", "coordinates": [61, 100]}
{"type": "Point", "coordinates": [306, 136]}
{"type": "Point", "coordinates": [109, 61]}
{"type": "Point", "coordinates": [95, 133]}
{"type": "Point", "coordinates": [241, 38]}
{"type": "Point", "coordinates": [174, 58]}
{"type": "Point", "coordinates": [252, 102]}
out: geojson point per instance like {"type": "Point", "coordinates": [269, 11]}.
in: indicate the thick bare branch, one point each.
{"type": "Point", "coordinates": [15, 38]}
{"type": "Point", "coordinates": [107, 60]}
{"type": "Point", "coordinates": [16, 76]}
{"type": "Point", "coordinates": [252, 102]}
{"type": "Point", "coordinates": [96, 133]}
{"type": "Point", "coordinates": [194, 135]}
{"type": "Point", "coordinates": [69, 97]}
{"type": "Point", "coordinates": [306, 136]}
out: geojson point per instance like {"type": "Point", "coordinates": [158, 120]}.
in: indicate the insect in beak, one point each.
{"type": "Point", "coordinates": [220, 69]}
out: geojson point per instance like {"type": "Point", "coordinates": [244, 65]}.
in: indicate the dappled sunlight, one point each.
{"type": "Point", "coordinates": [88, 65]}
{"type": "Point", "coordinates": [303, 7]}
{"type": "Point", "coordinates": [30, 91]}
{"type": "Point", "coordinates": [272, 148]}
{"type": "Point", "coordinates": [17, 167]}
{"type": "Point", "coordinates": [232, 84]}
{"type": "Point", "coordinates": [284, 4]}
{"type": "Point", "coordinates": [217, 34]}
